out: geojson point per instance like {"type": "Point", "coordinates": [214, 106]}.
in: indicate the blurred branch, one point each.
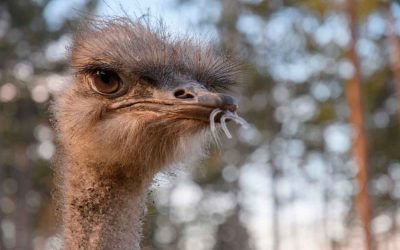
{"type": "Point", "coordinates": [359, 147]}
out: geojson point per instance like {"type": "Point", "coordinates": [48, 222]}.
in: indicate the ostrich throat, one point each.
{"type": "Point", "coordinates": [103, 211]}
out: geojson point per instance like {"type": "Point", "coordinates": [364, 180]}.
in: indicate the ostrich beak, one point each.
{"type": "Point", "coordinates": [222, 101]}
{"type": "Point", "coordinates": [193, 95]}
{"type": "Point", "coordinates": [187, 101]}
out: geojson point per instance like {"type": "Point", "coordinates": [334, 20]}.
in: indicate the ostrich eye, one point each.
{"type": "Point", "coordinates": [105, 82]}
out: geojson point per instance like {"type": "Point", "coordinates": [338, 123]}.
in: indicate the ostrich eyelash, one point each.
{"type": "Point", "coordinates": [226, 115]}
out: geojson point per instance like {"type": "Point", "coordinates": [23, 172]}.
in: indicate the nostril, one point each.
{"type": "Point", "coordinates": [179, 92]}
{"type": "Point", "coordinates": [183, 94]}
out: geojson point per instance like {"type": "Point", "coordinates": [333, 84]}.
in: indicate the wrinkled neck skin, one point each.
{"type": "Point", "coordinates": [102, 211]}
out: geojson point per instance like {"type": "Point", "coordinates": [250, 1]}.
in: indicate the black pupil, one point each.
{"type": "Point", "coordinates": [105, 76]}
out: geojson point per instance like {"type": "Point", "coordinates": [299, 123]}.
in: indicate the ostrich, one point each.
{"type": "Point", "coordinates": [140, 101]}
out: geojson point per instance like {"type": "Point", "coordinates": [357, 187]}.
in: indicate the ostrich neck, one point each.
{"type": "Point", "coordinates": [102, 211]}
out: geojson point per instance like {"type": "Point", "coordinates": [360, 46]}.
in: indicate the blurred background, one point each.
{"type": "Point", "coordinates": [319, 75]}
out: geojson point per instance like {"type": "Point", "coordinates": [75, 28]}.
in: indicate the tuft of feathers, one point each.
{"type": "Point", "coordinates": [149, 51]}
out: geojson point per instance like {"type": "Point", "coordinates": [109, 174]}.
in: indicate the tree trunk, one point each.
{"type": "Point", "coordinates": [394, 54]}
{"type": "Point", "coordinates": [359, 147]}
{"type": "Point", "coordinates": [275, 210]}
{"type": "Point", "coordinates": [23, 222]}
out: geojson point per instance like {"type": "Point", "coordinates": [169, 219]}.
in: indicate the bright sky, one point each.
{"type": "Point", "coordinates": [179, 20]}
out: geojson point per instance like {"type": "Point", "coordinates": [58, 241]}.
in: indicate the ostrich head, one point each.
{"type": "Point", "coordinates": [141, 99]}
